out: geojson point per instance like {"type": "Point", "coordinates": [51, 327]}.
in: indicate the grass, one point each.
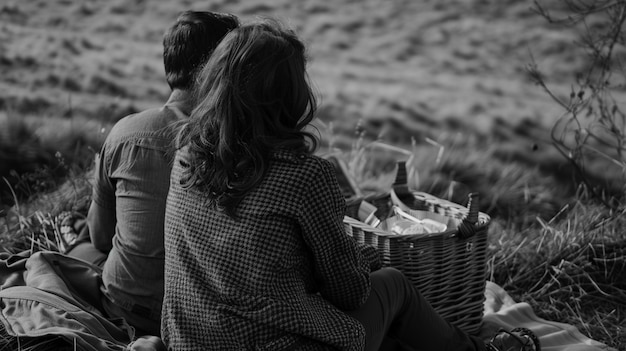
{"type": "Point", "coordinates": [36, 224]}
{"type": "Point", "coordinates": [550, 244]}
{"type": "Point", "coordinates": [37, 154]}
{"type": "Point", "coordinates": [570, 270]}
{"type": "Point", "coordinates": [48, 343]}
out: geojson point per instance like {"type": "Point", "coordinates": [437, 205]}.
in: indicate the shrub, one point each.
{"type": "Point", "coordinates": [591, 134]}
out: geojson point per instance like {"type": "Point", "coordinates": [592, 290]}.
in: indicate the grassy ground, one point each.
{"type": "Point", "coordinates": [558, 250]}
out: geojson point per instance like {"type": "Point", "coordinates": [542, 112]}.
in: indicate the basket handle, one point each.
{"type": "Point", "coordinates": [467, 228]}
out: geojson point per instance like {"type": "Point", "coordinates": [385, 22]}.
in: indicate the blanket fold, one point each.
{"type": "Point", "coordinates": [49, 294]}
{"type": "Point", "coordinates": [501, 311]}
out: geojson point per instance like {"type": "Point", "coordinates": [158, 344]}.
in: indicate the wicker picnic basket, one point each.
{"type": "Point", "coordinates": [448, 268]}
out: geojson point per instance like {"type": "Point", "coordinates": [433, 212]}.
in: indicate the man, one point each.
{"type": "Point", "coordinates": [126, 215]}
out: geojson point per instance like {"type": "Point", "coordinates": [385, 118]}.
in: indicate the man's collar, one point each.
{"type": "Point", "coordinates": [180, 99]}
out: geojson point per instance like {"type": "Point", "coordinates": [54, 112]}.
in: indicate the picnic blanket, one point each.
{"type": "Point", "coordinates": [50, 294]}
{"type": "Point", "coordinates": [49, 297]}
{"type": "Point", "coordinates": [501, 311]}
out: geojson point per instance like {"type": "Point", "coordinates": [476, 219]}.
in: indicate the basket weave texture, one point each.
{"type": "Point", "coordinates": [447, 268]}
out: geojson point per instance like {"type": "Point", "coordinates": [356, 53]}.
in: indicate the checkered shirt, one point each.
{"type": "Point", "coordinates": [277, 278]}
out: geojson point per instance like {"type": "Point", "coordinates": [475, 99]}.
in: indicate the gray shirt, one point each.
{"type": "Point", "coordinates": [126, 219]}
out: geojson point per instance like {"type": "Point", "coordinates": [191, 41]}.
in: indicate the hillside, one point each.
{"type": "Point", "coordinates": [398, 70]}
{"type": "Point", "coordinates": [403, 71]}
{"type": "Point", "coordinates": [425, 66]}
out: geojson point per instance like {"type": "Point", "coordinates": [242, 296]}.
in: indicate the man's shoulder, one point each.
{"type": "Point", "coordinates": [150, 119]}
{"type": "Point", "coordinates": [154, 122]}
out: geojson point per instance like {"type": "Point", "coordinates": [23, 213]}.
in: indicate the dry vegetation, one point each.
{"type": "Point", "coordinates": [445, 80]}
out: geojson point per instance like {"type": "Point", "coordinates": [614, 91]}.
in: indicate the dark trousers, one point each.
{"type": "Point", "coordinates": [397, 317]}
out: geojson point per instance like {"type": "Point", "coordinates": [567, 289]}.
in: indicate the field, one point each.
{"type": "Point", "coordinates": [446, 80]}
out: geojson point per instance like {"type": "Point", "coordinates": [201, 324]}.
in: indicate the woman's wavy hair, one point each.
{"type": "Point", "coordinates": [252, 97]}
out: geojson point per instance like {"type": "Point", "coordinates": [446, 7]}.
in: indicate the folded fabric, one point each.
{"type": "Point", "coordinates": [501, 311]}
{"type": "Point", "coordinates": [52, 295]}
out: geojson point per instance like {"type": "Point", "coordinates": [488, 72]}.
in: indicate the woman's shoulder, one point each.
{"type": "Point", "coordinates": [301, 162]}
{"type": "Point", "coordinates": [292, 176]}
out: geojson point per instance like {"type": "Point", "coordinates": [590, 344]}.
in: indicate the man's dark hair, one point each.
{"type": "Point", "coordinates": [189, 43]}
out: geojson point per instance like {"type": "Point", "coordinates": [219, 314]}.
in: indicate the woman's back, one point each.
{"type": "Point", "coordinates": [253, 281]}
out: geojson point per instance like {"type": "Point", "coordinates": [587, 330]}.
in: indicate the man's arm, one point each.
{"type": "Point", "coordinates": [101, 221]}
{"type": "Point", "coordinates": [101, 217]}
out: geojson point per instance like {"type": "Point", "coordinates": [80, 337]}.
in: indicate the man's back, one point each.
{"type": "Point", "coordinates": [125, 220]}
{"type": "Point", "coordinates": [131, 184]}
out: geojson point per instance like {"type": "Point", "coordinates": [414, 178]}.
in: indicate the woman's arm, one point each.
{"type": "Point", "coordinates": [372, 255]}
{"type": "Point", "coordinates": [341, 270]}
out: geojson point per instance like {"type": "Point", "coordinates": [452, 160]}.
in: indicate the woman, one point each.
{"type": "Point", "coordinates": [256, 253]}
